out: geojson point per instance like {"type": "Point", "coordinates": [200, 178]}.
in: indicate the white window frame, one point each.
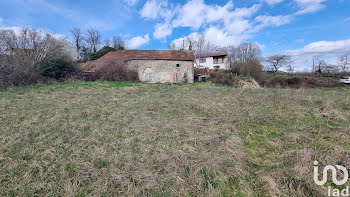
{"type": "Point", "coordinates": [148, 76]}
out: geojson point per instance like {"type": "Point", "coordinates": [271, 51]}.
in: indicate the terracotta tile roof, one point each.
{"type": "Point", "coordinates": [119, 57]}
{"type": "Point", "coordinates": [219, 53]}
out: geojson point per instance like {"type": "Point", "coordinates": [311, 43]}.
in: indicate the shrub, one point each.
{"type": "Point", "coordinates": [252, 68]}
{"type": "Point", "coordinates": [22, 50]}
{"type": "Point", "coordinates": [55, 68]}
{"type": "Point", "coordinates": [12, 75]}
{"type": "Point", "coordinates": [101, 53]}
{"type": "Point", "coordinates": [185, 78]}
{"type": "Point", "coordinates": [113, 72]}
{"type": "Point", "coordinates": [222, 78]}
{"type": "Point", "coordinates": [298, 82]}
{"type": "Point", "coordinates": [16, 72]}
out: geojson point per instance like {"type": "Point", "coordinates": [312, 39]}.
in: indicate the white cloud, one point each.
{"type": "Point", "coordinates": [246, 12]}
{"type": "Point", "coordinates": [325, 47]}
{"type": "Point", "coordinates": [222, 38]}
{"type": "Point", "coordinates": [238, 27]}
{"type": "Point", "coordinates": [192, 14]}
{"type": "Point", "coordinates": [138, 41]}
{"type": "Point", "coordinates": [327, 50]}
{"type": "Point", "coordinates": [153, 9]}
{"type": "Point", "coordinates": [224, 25]}
{"type": "Point", "coordinates": [272, 2]}
{"type": "Point", "coordinates": [309, 6]}
{"type": "Point", "coordinates": [272, 21]}
{"type": "Point", "coordinates": [196, 14]}
{"type": "Point", "coordinates": [162, 31]}
{"type": "Point", "coordinates": [220, 24]}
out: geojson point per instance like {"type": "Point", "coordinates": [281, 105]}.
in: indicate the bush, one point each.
{"type": "Point", "coordinates": [16, 72]}
{"type": "Point", "coordinates": [222, 78]}
{"type": "Point", "coordinates": [55, 68]}
{"type": "Point", "coordinates": [21, 51]}
{"type": "Point", "coordinates": [251, 68]}
{"type": "Point", "coordinates": [185, 79]}
{"type": "Point", "coordinates": [101, 53]}
{"type": "Point", "coordinates": [17, 76]}
{"type": "Point", "coordinates": [113, 72]}
{"type": "Point", "coordinates": [298, 82]}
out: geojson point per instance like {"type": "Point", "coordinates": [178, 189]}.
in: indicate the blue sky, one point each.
{"type": "Point", "coordinates": [306, 29]}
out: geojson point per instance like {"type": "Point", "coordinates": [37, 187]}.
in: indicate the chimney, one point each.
{"type": "Point", "coordinates": [190, 47]}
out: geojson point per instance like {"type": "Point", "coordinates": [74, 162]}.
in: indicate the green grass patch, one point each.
{"type": "Point", "coordinates": [136, 139]}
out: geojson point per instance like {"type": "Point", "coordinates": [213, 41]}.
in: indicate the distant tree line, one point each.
{"type": "Point", "coordinates": [247, 59]}
{"type": "Point", "coordinates": [88, 44]}
{"type": "Point", "coordinates": [29, 56]}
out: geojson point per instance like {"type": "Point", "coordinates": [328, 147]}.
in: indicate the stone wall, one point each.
{"type": "Point", "coordinates": [163, 71]}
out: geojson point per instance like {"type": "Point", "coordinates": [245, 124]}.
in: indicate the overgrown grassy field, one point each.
{"type": "Point", "coordinates": [124, 139]}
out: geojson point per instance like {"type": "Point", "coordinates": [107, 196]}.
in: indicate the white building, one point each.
{"type": "Point", "coordinates": [217, 60]}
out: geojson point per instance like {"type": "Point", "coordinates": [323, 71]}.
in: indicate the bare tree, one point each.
{"type": "Point", "coordinates": [78, 40]}
{"type": "Point", "coordinates": [34, 46]}
{"type": "Point", "coordinates": [320, 65]}
{"type": "Point", "coordinates": [118, 43]}
{"type": "Point", "coordinates": [172, 46]}
{"type": "Point", "coordinates": [199, 45]}
{"type": "Point", "coordinates": [107, 42]}
{"type": "Point", "coordinates": [93, 39]}
{"type": "Point", "coordinates": [324, 67]}
{"type": "Point", "coordinates": [344, 62]}
{"type": "Point", "coordinates": [245, 52]}
{"type": "Point", "coordinates": [330, 68]}
{"type": "Point", "coordinates": [278, 61]}
{"type": "Point", "coordinates": [21, 50]}
{"type": "Point", "coordinates": [290, 68]}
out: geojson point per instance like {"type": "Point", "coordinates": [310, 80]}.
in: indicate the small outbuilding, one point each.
{"type": "Point", "coordinates": [153, 66]}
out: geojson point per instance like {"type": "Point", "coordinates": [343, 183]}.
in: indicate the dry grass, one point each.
{"type": "Point", "coordinates": [116, 139]}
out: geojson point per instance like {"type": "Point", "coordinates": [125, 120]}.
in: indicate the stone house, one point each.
{"type": "Point", "coordinates": [217, 60]}
{"type": "Point", "coordinates": [153, 66]}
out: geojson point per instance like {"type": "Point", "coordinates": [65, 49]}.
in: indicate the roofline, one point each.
{"type": "Point", "coordinates": [162, 59]}
{"type": "Point", "coordinates": [216, 54]}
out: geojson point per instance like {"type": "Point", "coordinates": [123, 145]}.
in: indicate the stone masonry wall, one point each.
{"type": "Point", "coordinates": [163, 71]}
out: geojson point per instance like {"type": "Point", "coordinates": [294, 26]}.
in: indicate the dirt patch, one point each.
{"type": "Point", "coordinates": [248, 83]}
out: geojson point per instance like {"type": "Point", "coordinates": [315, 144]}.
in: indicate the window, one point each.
{"type": "Point", "coordinates": [202, 60]}
{"type": "Point", "coordinates": [202, 78]}
{"type": "Point", "coordinates": [177, 65]}
{"type": "Point", "coordinates": [148, 76]}
{"type": "Point", "coordinates": [218, 60]}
